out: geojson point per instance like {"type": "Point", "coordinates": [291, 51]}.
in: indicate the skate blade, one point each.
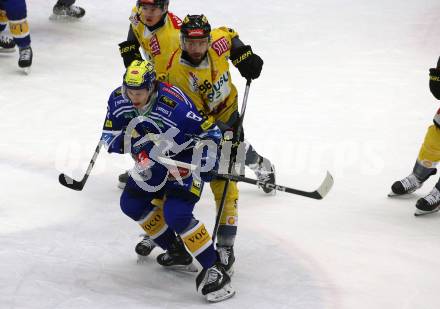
{"type": "Point", "coordinates": [401, 196]}
{"type": "Point", "coordinates": [142, 259]}
{"type": "Point", "coordinates": [191, 268]}
{"type": "Point", "coordinates": [224, 293]}
{"type": "Point", "coordinates": [63, 18]}
{"type": "Point", "coordinates": [7, 50]}
{"type": "Point", "coordinates": [26, 71]}
{"type": "Point", "coordinates": [419, 212]}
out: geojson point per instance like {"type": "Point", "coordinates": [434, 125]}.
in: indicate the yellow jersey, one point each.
{"type": "Point", "coordinates": [209, 84]}
{"type": "Point", "coordinates": [159, 44]}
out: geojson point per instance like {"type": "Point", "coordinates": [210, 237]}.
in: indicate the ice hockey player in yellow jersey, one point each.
{"type": "Point", "coordinates": [427, 160]}
{"type": "Point", "coordinates": [200, 67]}
{"type": "Point", "coordinates": [155, 30]}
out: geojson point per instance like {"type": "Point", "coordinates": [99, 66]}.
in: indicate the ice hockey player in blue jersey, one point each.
{"type": "Point", "coordinates": [14, 13]}
{"type": "Point", "coordinates": [153, 121]}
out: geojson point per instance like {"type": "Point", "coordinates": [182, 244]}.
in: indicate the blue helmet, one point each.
{"type": "Point", "coordinates": [140, 75]}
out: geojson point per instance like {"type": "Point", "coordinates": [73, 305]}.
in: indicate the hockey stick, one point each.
{"type": "Point", "coordinates": [317, 194]}
{"type": "Point", "coordinates": [71, 183]}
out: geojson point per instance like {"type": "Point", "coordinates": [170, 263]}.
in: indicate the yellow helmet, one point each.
{"type": "Point", "coordinates": [140, 75]}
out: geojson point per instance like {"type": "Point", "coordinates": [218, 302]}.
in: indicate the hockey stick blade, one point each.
{"type": "Point", "coordinates": [70, 182]}
{"type": "Point", "coordinates": [318, 194]}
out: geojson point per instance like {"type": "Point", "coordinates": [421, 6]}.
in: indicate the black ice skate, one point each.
{"type": "Point", "coordinates": [413, 181]}
{"type": "Point", "coordinates": [429, 203]}
{"type": "Point", "coordinates": [25, 59]}
{"type": "Point", "coordinates": [63, 12]}
{"type": "Point", "coordinates": [227, 258]}
{"type": "Point", "coordinates": [123, 178]}
{"type": "Point", "coordinates": [7, 44]}
{"type": "Point", "coordinates": [215, 283]}
{"type": "Point", "coordinates": [177, 258]}
{"type": "Point", "coordinates": [265, 172]}
{"type": "Point", "coordinates": [407, 185]}
{"type": "Point", "coordinates": [144, 248]}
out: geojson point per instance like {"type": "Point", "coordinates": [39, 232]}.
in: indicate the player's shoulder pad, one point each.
{"type": "Point", "coordinates": [134, 17]}
{"type": "Point", "coordinates": [172, 97]}
{"type": "Point", "coordinates": [175, 20]}
{"type": "Point", "coordinates": [221, 40]}
{"type": "Point", "coordinates": [229, 32]}
{"type": "Point", "coordinates": [117, 102]}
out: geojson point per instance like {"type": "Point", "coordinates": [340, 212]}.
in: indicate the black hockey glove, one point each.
{"type": "Point", "coordinates": [248, 63]}
{"type": "Point", "coordinates": [129, 52]}
{"type": "Point", "coordinates": [434, 81]}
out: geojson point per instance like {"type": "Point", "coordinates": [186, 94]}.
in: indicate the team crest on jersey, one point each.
{"type": "Point", "coordinates": [154, 46]}
{"type": "Point", "coordinates": [220, 46]}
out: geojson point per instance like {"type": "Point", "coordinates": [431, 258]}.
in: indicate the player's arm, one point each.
{"type": "Point", "coordinates": [113, 129]}
{"type": "Point", "coordinates": [129, 49]}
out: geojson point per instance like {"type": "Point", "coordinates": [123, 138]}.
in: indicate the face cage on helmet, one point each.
{"type": "Point", "coordinates": [183, 38]}
{"type": "Point", "coordinates": [126, 87]}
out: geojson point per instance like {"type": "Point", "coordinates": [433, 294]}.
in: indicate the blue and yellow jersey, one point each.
{"type": "Point", "coordinates": [170, 109]}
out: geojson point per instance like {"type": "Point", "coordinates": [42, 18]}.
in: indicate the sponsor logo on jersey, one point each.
{"type": "Point", "coordinates": [173, 93]}
{"type": "Point", "coordinates": [167, 101]}
{"type": "Point", "coordinates": [192, 115]}
{"type": "Point", "coordinates": [206, 125]}
{"type": "Point", "coordinates": [216, 88]}
{"type": "Point", "coordinates": [118, 92]}
{"type": "Point", "coordinates": [154, 46]}
{"type": "Point", "coordinates": [134, 19]}
{"type": "Point", "coordinates": [196, 187]}
{"type": "Point", "coordinates": [193, 81]}
{"type": "Point", "coordinates": [108, 123]}
{"type": "Point", "coordinates": [176, 21]}
{"type": "Point", "coordinates": [220, 46]}
{"type": "Point", "coordinates": [119, 102]}
{"type": "Point", "coordinates": [163, 110]}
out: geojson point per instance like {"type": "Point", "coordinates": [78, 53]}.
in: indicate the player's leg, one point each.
{"type": "Point", "coordinates": [16, 12]}
{"type": "Point", "coordinates": [7, 44]}
{"type": "Point", "coordinates": [428, 158]}
{"type": "Point", "coordinates": [227, 230]}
